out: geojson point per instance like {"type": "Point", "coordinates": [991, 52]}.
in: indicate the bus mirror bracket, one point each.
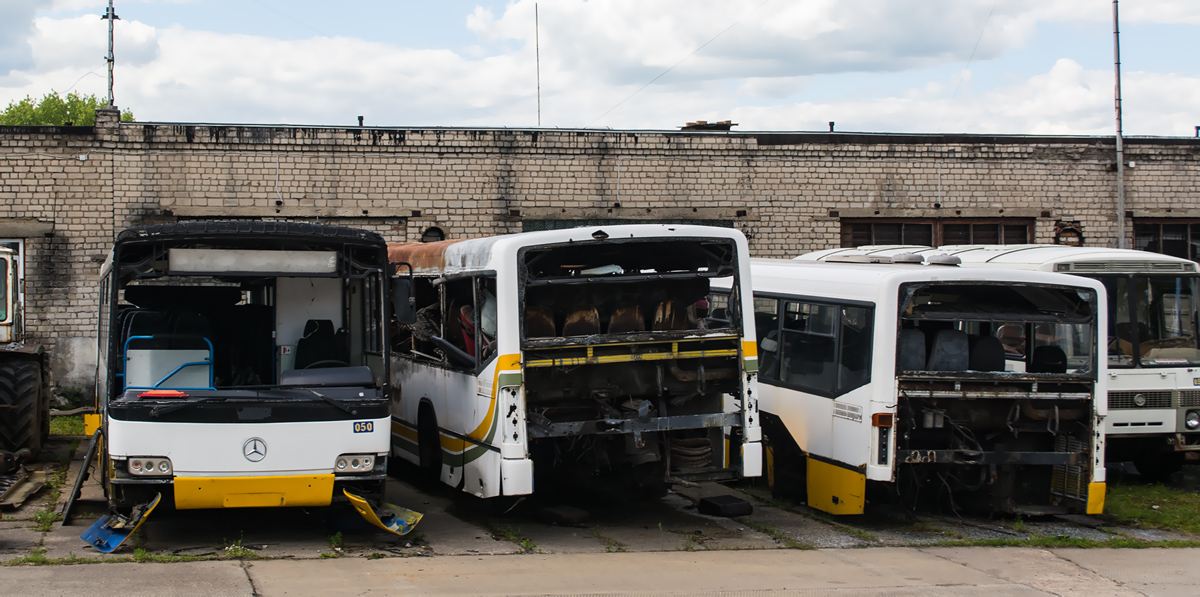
{"type": "Point", "coordinates": [403, 301]}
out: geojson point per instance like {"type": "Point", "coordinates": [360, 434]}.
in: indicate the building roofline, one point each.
{"type": "Point", "coordinates": [764, 138]}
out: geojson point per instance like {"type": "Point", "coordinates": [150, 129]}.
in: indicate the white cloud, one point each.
{"type": "Point", "coordinates": [596, 54]}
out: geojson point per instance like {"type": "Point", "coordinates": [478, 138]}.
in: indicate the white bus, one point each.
{"type": "Point", "coordinates": [1153, 391]}
{"type": "Point", "coordinates": [897, 373]}
{"type": "Point", "coordinates": [241, 364]}
{"type": "Point", "coordinates": [591, 356]}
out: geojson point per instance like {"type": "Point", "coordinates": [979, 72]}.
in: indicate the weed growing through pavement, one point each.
{"type": "Point", "coordinates": [236, 550]}
{"type": "Point", "coordinates": [505, 533]}
{"type": "Point", "coordinates": [610, 545]}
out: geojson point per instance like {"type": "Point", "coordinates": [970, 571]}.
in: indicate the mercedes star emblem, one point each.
{"type": "Point", "coordinates": [255, 449]}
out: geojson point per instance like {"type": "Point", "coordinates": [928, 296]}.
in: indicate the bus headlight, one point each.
{"type": "Point", "coordinates": [355, 463]}
{"type": "Point", "coordinates": [150, 466]}
{"type": "Point", "coordinates": [1192, 420]}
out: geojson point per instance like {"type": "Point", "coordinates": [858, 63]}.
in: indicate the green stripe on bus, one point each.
{"type": "Point", "coordinates": [510, 379]}
{"type": "Point", "coordinates": [751, 365]}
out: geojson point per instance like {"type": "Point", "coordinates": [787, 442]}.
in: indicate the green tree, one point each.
{"type": "Point", "coordinates": [53, 110]}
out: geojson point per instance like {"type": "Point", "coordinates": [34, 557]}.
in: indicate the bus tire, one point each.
{"type": "Point", "coordinates": [20, 388]}
{"type": "Point", "coordinates": [429, 444]}
{"type": "Point", "coordinates": [1157, 467]}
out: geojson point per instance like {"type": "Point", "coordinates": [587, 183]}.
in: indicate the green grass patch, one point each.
{"type": "Point", "coordinates": [506, 533]}
{"type": "Point", "coordinates": [43, 520]}
{"type": "Point", "coordinates": [70, 425]}
{"type": "Point", "coordinates": [141, 555]}
{"type": "Point", "coordinates": [1154, 506]}
{"type": "Point", "coordinates": [38, 557]}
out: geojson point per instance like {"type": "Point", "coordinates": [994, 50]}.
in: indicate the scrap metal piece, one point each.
{"type": "Point", "coordinates": [389, 517]}
{"type": "Point", "coordinates": [16, 488]}
{"type": "Point", "coordinates": [83, 475]}
{"type": "Point", "coordinates": [111, 531]}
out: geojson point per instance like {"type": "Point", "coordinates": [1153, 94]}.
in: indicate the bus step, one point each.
{"type": "Point", "coordinates": [108, 533]}
{"type": "Point", "coordinates": [389, 517]}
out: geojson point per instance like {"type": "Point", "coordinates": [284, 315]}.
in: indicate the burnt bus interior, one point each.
{"type": "Point", "coordinates": [995, 410]}
{"type": "Point", "coordinates": [628, 357]}
{"type": "Point", "coordinates": [227, 315]}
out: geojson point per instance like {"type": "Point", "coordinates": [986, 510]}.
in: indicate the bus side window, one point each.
{"type": "Point", "coordinates": [415, 340]}
{"type": "Point", "coordinates": [809, 354]}
{"type": "Point", "coordinates": [766, 325]}
{"type": "Point", "coordinates": [854, 362]}
{"type": "Point", "coordinates": [826, 349]}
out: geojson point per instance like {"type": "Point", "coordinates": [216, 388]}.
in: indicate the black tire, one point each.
{"type": "Point", "coordinates": [429, 444]}
{"type": "Point", "coordinates": [21, 387]}
{"type": "Point", "coordinates": [1158, 467]}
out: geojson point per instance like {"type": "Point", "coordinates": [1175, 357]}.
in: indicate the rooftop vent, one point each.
{"type": "Point", "coordinates": [704, 125]}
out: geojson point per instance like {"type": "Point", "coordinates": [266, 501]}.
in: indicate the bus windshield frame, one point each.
{"type": "Point", "coordinates": [1145, 310]}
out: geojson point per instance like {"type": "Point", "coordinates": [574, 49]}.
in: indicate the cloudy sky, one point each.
{"type": "Point", "coordinates": [975, 66]}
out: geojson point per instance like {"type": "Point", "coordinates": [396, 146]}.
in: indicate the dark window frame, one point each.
{"type": "Point", "coordinates": [937, 232]}
{"type": "Point", "coordinates": [781, 300]}
{"type": "Point", "coordinates": [1191, 240]}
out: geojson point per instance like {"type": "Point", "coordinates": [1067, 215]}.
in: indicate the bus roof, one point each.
{"type": "Point", "coordinates": [483, 253]}
{"type": "Point", "coordinates": [866, 281]}
{"type": "Point", "coordinates": [1060, 258]}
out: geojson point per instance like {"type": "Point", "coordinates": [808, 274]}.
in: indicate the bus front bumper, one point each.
{"type": "Point", "coordinates": [193, 493]}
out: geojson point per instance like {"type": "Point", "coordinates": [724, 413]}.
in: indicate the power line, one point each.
{"type": "Point", "coordinates": [672, 67]}
{"type": "Point", "coordinates": [970, 58]}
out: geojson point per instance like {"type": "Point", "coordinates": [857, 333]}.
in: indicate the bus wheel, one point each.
{"type": "Point", "coordinates": [429, 444]}
{"type": "Point", "coordinates": [1157, 467]}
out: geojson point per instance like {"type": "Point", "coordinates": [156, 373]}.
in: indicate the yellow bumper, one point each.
{"type": "Point", "coordinates": [1095, 503]}
{"type": "Point", "coordinates": [194, 493]}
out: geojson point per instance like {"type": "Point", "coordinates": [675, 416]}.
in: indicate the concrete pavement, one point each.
{"type": "Point", "coordinates": [992, 571]}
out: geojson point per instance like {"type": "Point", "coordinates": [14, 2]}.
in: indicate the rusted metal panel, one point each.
{"type": "Point", "coordinates": [978, 457]}
{"type": "Point", "coordinates": [422, 256]}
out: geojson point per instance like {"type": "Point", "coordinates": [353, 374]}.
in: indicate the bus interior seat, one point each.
{"type": "Point", "coordinates": [626, 318]}
{"type": "Point", "coordinates": [1048, 359]}
{"type": "Point", "coordinates": [987, 354]}
{"type": "Point", "coordinates": [1012, 338]}
{"type": "Point", "coordinates": [950, 351]}
{"type": "Point", "coordinates": [583, 321]}
{"type": "Point", "coordinates": [670, 315]}
{"type": "Point", "coordinates": [912, 349]}
{"type": "Point", "coordinates": [539, 322]}
{"type": "Point", "coordinates": [317, 343]}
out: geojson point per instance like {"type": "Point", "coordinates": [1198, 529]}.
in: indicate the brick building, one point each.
{"type": "Point", "coordinates": [66, 191]}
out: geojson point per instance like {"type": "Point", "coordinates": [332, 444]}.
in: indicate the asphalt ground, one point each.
{"type": "Point", "coordinates": [459, 530]}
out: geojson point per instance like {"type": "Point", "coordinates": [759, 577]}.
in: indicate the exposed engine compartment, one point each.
{"type": "Point", "coordinates": [995, 405]}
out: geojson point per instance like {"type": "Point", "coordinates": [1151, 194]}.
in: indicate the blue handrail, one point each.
{"type": "Point", "coordinates": [208, 363]}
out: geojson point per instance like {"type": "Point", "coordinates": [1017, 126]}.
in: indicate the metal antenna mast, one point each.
{"type": "Point", "coordinates": [110, 16]}
{"type": "Point", "coordinates": [537, 45]}
{"type": "Point", "coordinates": [1122, 242]}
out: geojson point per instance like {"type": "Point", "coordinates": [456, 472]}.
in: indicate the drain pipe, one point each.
{"type": "Point", "coordinates": [1122, 242]}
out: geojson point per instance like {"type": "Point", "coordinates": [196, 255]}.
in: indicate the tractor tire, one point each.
{"type": "Point", "coordinates": [21, 388]}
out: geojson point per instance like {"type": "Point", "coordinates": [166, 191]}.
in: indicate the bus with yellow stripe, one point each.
{"type": "Point", "coordinates": [596, 358]}
{"type": "Point", "coordinates": [939, 386]}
